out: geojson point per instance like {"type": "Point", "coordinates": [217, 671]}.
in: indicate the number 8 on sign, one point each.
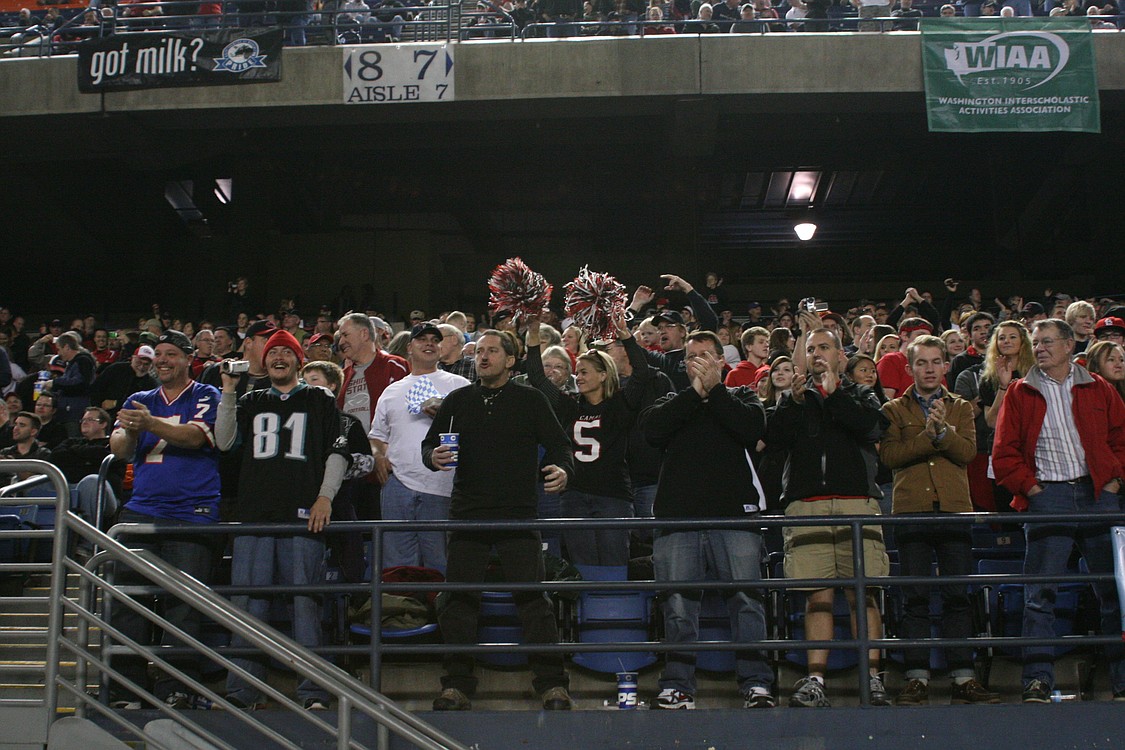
{"type": "Point", "coordinates": [398, 74]}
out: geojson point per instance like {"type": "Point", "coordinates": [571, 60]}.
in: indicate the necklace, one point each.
{"type": "Point", "coordinates": [489, 398]}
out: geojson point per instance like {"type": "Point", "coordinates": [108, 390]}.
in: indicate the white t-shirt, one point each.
{"type": "Point", "coordinates": [356, 401]}
{"type": "Point", "coordinates": [403, 433]}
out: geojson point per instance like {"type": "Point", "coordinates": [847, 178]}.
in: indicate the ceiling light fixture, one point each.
{"type": "Point", "coordinates": [805, 231]}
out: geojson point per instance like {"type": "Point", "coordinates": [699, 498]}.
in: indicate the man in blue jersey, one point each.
{"type": "Point", "coordinates": [167, 433]}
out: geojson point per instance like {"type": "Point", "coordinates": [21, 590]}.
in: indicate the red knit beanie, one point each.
{"type": "Point", "coordinates": [283, 338]}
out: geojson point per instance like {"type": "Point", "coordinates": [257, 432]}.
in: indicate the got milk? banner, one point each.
{"type": "Point", "coordinates": [1010, 74]}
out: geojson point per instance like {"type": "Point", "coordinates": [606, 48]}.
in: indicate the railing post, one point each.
{"type": "Point", "coordinates": [861, 613]}
{"type": "Point", "coordinates": [375, 653]}
{"type": "Point", "coordinates": [343, 723]}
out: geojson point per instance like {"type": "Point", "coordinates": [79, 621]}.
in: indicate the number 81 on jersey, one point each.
{"type": "Point", "coordinates": [385, 74]}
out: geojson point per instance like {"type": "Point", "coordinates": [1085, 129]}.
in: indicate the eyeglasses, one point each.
{"type": "Point", "coordinates": [87, 420]}
{"type": "Point", "coordinates": [1045, 343]}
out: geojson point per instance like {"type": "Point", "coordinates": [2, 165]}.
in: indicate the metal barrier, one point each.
{"type": "Point", "coordinates": [861, 583]}
{"type": "Point", "coordinates": [352, 696]}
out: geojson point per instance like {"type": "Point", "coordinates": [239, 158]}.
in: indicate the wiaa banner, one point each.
{"type": "Point", "coordinates": [179, 58]}
{"type": "Point", "coordinates": [1010, 74]}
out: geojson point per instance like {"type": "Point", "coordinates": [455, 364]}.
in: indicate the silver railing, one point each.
{"type": "Point", "coordinates": [353, 698]}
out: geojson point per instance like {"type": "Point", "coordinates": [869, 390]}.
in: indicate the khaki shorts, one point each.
{"type": "Point", "coordinates": [826, 551]}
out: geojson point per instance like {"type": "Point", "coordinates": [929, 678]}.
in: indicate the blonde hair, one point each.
{"type": "Point", "coordinates": [602, 362]}
{"type": "Point", "coordinates": [1025, 359]}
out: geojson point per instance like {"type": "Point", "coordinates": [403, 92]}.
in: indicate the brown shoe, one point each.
{"type": "Point", "coordinates": [452, 699]}
{"type": "Point", "coordinates": [916, 693]}
{"type": "Point", "coordinates": [557, 699]}
{"type": "Point", "coordinates": [972, 692]}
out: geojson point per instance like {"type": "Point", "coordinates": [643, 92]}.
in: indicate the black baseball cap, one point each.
{"type": "Point", "coordinates": [261, 328]}
{"type": "Point", "coordinates": [668, 316]}
{"type": "Point", "coordinates": [423, 328]}
{"type": "Point", "coordinates": [176, 339]}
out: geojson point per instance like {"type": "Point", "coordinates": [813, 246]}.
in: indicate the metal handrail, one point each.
{"type": "Point", "coordinates": [351, 694]}
{"type": "Point", "coordinates": [860, 582]}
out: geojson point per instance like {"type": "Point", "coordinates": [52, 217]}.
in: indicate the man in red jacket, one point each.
{"type": "Point", "coordinates": [369, 370]}
{"type": "Point", "coordinates": [1060, 448]}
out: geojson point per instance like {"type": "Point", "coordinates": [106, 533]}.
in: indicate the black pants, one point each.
{"type": "Point", "coordinates": [521, 558]}
{"type": "Point", "coordinates": [951, 544]}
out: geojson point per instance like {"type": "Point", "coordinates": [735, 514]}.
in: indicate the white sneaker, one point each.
{"type": "Point", "coordinates": [671, 698]}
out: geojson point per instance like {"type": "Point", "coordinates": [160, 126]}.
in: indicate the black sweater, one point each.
{"type": "Point", "coordinates": [706, 472]}
{"type": "Point", "coordinates": [498, 454]}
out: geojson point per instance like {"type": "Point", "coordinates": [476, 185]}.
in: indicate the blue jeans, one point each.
{"type": "Point", "coordinates": [426, 548]}
{"type": "Point", "coordinates": [85, 496]}
{"type": "Point", "coordinates": [264, 560]}
{"type": "Point", "coordinates": [1048, 550]}
{"type": "Point", "coordinates": [191, 555]}
{"type": "Point", "coordinates": [952, 545]}
{"type": "Point", "coordinates": [724, 555]}
{"type": "Point", "coordinates": [601, 546]}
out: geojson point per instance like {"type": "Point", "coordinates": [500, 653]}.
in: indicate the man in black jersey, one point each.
{"type": "Point", "coordinates": [501, 426]}
{"type": "Point", "coordinates": [294, 457]}
{"type": "Point", "coordinates": [707, 432]}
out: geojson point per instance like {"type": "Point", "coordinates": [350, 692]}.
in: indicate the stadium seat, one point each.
{"type": "Point", "coordinates": [612, 616]}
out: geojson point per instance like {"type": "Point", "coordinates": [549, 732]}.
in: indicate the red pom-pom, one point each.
{"type": "Point", "coordinates": [595, 301]}
{"type": "Point", "coordinates": [517, 289]}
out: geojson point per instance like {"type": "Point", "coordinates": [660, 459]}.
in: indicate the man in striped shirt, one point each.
{"type": "Point", "coordinates": [1060, 448]}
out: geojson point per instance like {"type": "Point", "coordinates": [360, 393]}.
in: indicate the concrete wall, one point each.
{"type": "Point", "coordinates": [838, 63]}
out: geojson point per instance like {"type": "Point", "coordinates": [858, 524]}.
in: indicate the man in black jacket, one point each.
{"type": "Point", "coordinates": [122, 379]}
{"type": "Point", "coordinates": [501, 425]}
{"type": "Point", "coordinates": [827, 427]}
{"type": "Point", "coordinates": [707, 433]}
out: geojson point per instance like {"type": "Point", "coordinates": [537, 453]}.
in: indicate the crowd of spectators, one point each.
{"type": "Point", "coordinates": [368, 21]}
{"type": "Point", "coordinates": [688, 371]}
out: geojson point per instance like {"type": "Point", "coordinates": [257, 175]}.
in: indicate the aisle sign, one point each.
{"type": "Point", "coordinates": [386, 74]}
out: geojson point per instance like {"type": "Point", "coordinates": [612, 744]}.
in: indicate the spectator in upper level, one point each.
{"type": "Point", "coordinates": [725, 13]}
{"type": "Point", "coordinates": [703, 23]}
{"type": "Point", "coordinates": [745, 24]}
{"type": "Point", "coordinates": [908, 17]}
{"type": "Point", "coordinates": [869, 9]}
{"type": "Point", "coordinates": [562, 14]}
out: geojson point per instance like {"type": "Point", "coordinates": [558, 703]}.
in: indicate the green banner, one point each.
{"type": "Point", "coordinates": [1010, 74]}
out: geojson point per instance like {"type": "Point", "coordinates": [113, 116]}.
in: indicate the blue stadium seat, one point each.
{"type": "Point", "coordinates": [612, 616]}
